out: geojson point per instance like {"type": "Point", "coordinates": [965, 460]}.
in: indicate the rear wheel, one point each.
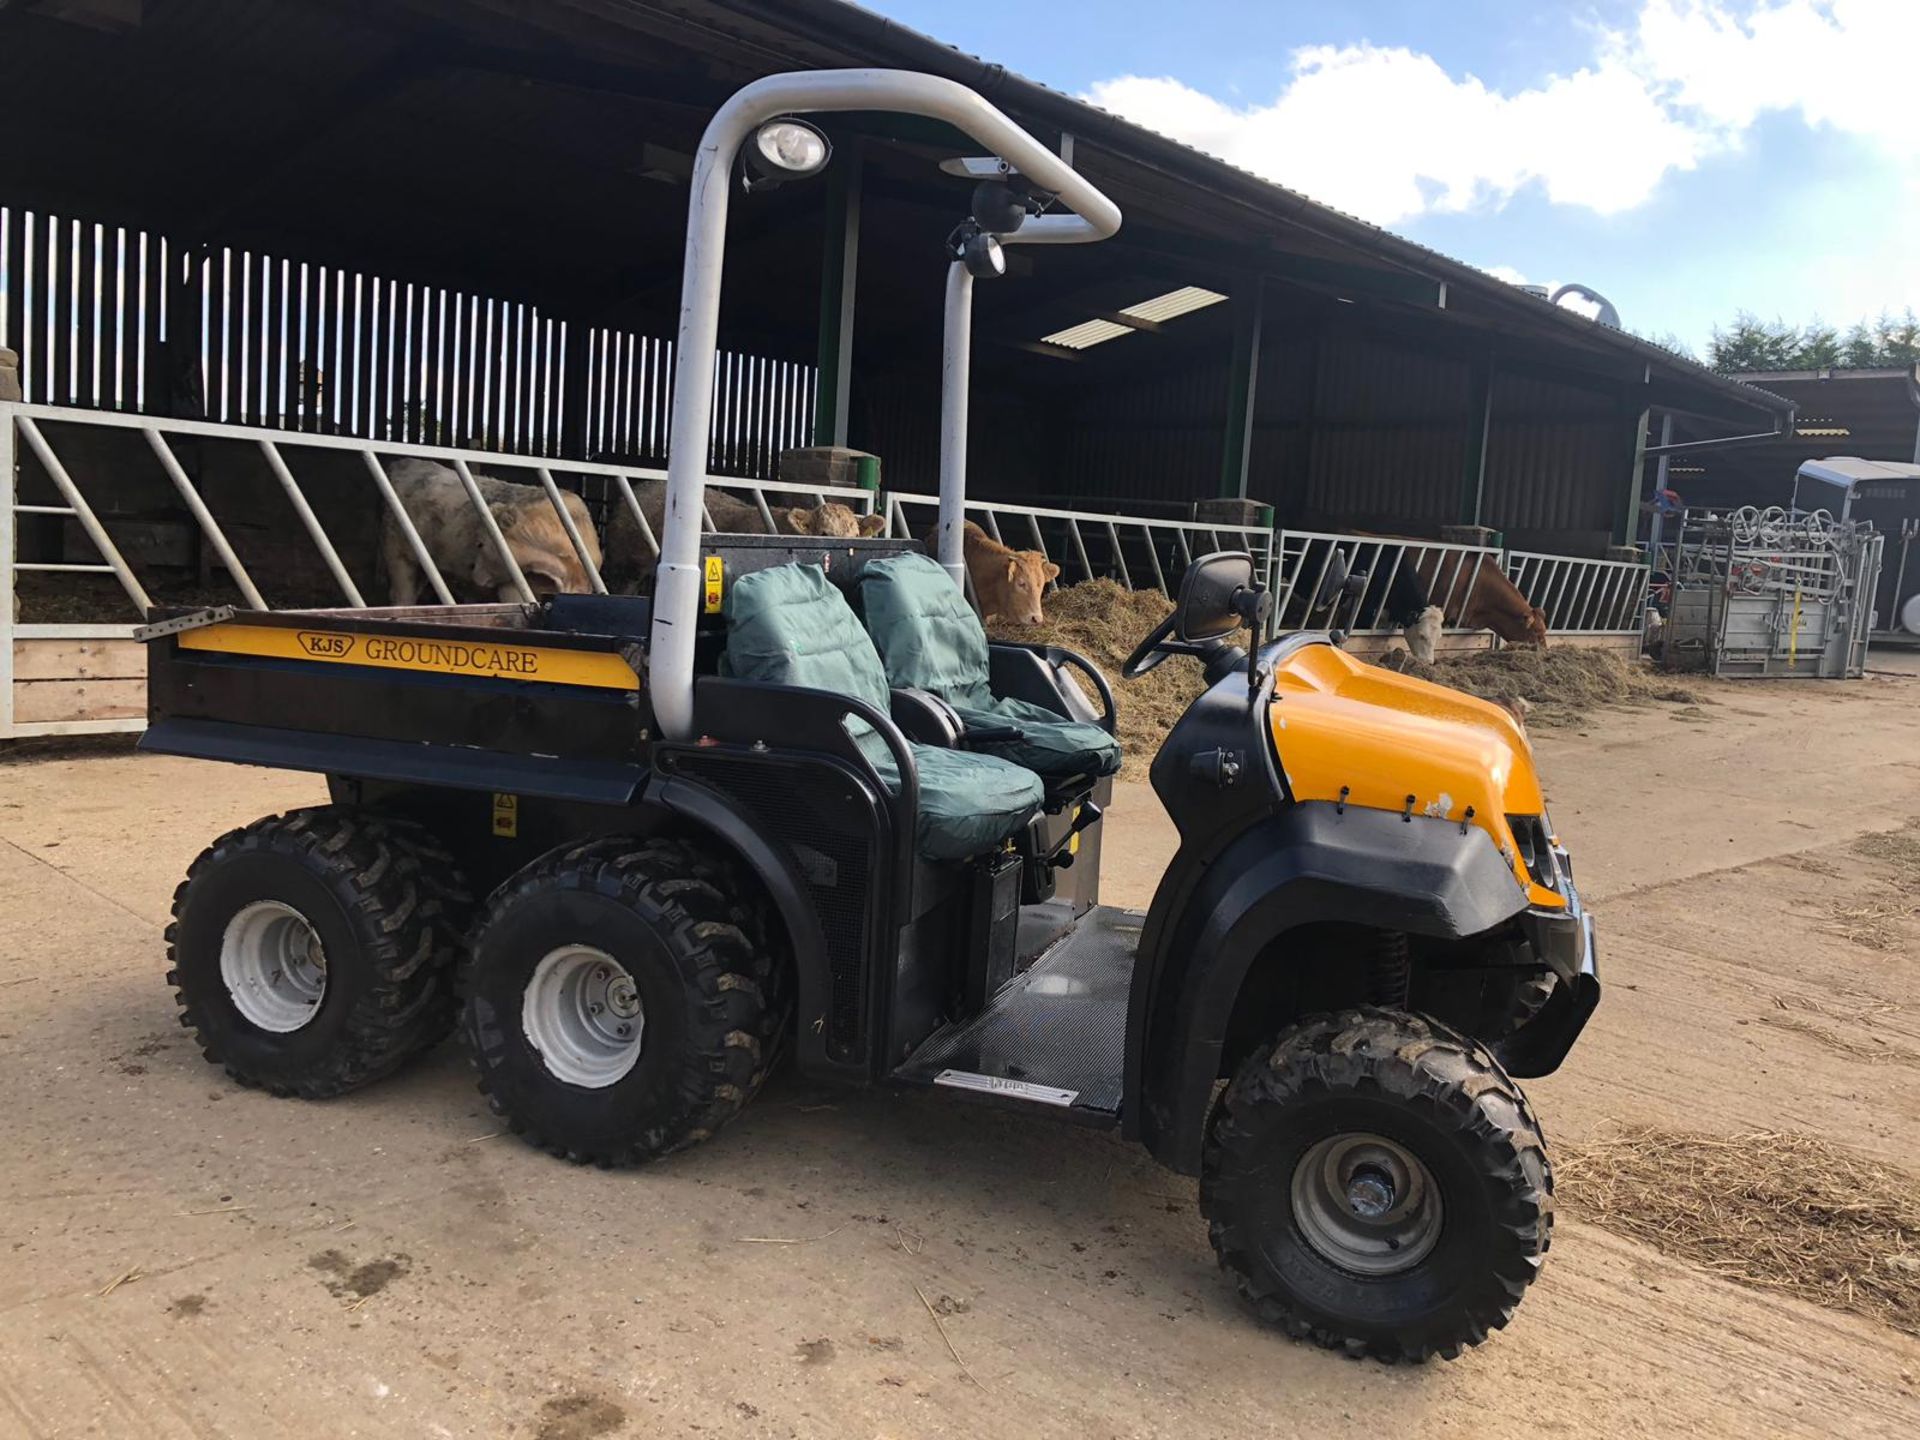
{"type": "Point", "coordinates": [623, 1001]}
{"type": "Point", "coordinates": [312, 952]}
{"type": "Point", "coordinates": [1377, 1184]}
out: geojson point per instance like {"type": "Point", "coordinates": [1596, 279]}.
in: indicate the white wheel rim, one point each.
{"type": "Point", "coordinates": [274, 966]}
{"type": "Point", "coordinates": [1366, 1203]}
{"type": "Point", "coordinates": [581, 1011]}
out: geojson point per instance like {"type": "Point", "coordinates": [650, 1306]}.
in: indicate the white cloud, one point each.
{"type": "Point", "coordinates": [1388, 133]}
{"type": "Point", "coordinates": [1847, 64]}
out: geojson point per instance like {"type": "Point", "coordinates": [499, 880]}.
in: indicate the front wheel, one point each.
{"type": "Point", "coordinates": [1376, 1183]}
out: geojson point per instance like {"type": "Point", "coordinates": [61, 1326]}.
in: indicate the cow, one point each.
{"type": "Point", "coordinates": [1486, 600]}
{"type": "Point", "coordinates": [630, 562]}
{"type": "Point", "coordinates": [1426, 589]}
{"type": "Point", "coordinates": [462, 550]}
{"type": "Point", "coordinates": [1007, 583]}
{"type": "Point", "coordinates": [1363, 586]}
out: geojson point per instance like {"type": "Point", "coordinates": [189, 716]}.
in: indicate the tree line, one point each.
{"type": "Point", "coordinates": [1751, 343]}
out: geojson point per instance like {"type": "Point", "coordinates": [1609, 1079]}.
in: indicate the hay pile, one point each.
{"type": "Point", "coordinates": [1104, 620]}
{"type": "Point", "coordinates": [1898, 848]}
{"type": "Point", "coordinates": [1562, 685]}
{"type": "Point", "coordinates": [1775, 1211]}
{"type": "Point", "coordinates": [1882, 919]}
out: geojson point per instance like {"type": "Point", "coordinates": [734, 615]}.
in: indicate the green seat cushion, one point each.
{"type": "Point", "coordinates": [926, 632]}
{"type": "Point", "coordinates": [969, 804]}
{"type": "Point", "coordinates": [1049, 744]}
{"type": "Point", "coordinates": [930, 639]}
{"type": "Point", "coordinates": [788, 625]}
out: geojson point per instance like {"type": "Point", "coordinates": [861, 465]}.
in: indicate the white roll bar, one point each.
{"type": "Point", "coordinates": [678, 580]}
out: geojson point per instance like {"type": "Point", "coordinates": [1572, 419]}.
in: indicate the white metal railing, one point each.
{"type": "Point", "coordinates": [1579, 596]}
{"type": "Point", "coordinates": [1160, 548]}
{"type": "Point", "coordinates": [1308, 593]}
{"type": "Point", "coordinates": [22, 435]}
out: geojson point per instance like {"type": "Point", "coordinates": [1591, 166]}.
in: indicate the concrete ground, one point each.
{"type": "Point", "coordinates": [389, 1265]}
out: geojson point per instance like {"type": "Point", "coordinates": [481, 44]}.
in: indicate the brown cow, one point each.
{"type": "Point", "coordinates": [1487, 601]}
{"type": "Point", "coordinates": [461, 549]}
{"type": "Point", "coordinates": [1007, 583]}
{"type": "Point", "coordinates": [630, 562]}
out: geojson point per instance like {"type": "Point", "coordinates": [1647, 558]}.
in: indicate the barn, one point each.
{"type": "Point", "coordinates": [251, 248]}
{"type": "Point", "coordinates": [1872, 413]}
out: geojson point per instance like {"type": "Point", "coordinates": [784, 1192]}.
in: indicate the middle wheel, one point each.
{"type": "Point", "coordinates": [620, 1003]}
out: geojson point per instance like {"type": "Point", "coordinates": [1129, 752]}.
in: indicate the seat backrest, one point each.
{"type": "Point", "coordinates": [926, 632]}
{"type": "Point", "coordinates": [788, 625]}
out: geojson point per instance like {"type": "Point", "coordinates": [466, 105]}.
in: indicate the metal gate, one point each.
{"type": "Point", "coordinates": [1769, 593]}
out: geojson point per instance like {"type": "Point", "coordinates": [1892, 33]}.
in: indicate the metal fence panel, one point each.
{"type": "Point", "coordinates": [1166, 546]}
{"type": "Point", "coordinates": [602, 485]}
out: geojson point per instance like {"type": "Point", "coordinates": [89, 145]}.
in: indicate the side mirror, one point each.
{"type": "Point", "coordinates": [1217, 597]}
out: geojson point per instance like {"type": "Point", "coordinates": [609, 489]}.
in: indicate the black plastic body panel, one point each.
{"type": "Point", "coordinates": [1037, 674]}
{"type": "Point", "coordinates": [1214, 918]}
{"type": "Point", "coordinates": [1565, 939]}
{"type": "Point", "coordinates": [817, 833]}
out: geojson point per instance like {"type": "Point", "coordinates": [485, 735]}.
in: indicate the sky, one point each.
{"type": "Point", "coordinates": [1689, 159]}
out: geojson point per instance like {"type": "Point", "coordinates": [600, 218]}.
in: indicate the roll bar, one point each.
{"type": "Point", "coordinates": [678, 579]}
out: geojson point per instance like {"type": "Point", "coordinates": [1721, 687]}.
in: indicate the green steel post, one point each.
{"type": "Point", "coordinates": [1242, 387]}
{"type": "Point", "coordinates": [1473, 476]}
{"type": "Point", "coordinates": [839, 267]}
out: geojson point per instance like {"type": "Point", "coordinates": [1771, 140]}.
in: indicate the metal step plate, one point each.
{"type": "Point", "coordinates": [1056, 1035]}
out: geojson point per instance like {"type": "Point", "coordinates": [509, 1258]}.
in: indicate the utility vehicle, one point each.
{"type": "Point", "coordinates": [635, 850]}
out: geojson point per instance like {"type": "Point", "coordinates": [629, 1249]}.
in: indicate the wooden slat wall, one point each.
{"type": "Point", "coordinates": [289, 344]}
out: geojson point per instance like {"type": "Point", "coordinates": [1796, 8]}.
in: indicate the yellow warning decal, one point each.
{"type": "Point", "coordinates": [506, 815]}
{"type": "Point", "coordinates": [490, 659]}
{"type": "Point", "coordinates": [716, 575]}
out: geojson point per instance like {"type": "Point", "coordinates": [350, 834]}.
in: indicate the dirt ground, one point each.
{"type": "Point", "coordinates": [388, 1265]}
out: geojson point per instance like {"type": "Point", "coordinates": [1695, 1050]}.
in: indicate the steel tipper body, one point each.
{"type": "Point", "coordinates": [462, 696]}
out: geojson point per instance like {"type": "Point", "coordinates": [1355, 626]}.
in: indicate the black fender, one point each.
{"type": "Point", "coordinates": [1213, 917]}
{"type": "Point", "coordinates": [709, 810]}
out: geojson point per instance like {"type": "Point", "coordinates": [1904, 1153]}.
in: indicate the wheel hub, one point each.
{"type": "Point", "coordinates": [1370, 1192]}
{"type": "Point", "coordinates": [582, 1012]}
{"type": "Point", "coordinates": [273, 965]}
{"type": "Point", "coordinates": [1366, 1203]}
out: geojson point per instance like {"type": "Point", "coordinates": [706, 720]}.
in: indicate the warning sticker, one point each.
{"type": "Point", "coordinates": [716, 577]}
{"type": "Point", "coordinates": [506, 815]}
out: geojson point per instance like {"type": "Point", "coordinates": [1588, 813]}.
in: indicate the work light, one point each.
{"type": "Point", "coordinates": [980, 253]}
{"type": "Point", "coordinates": [782, 150]}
